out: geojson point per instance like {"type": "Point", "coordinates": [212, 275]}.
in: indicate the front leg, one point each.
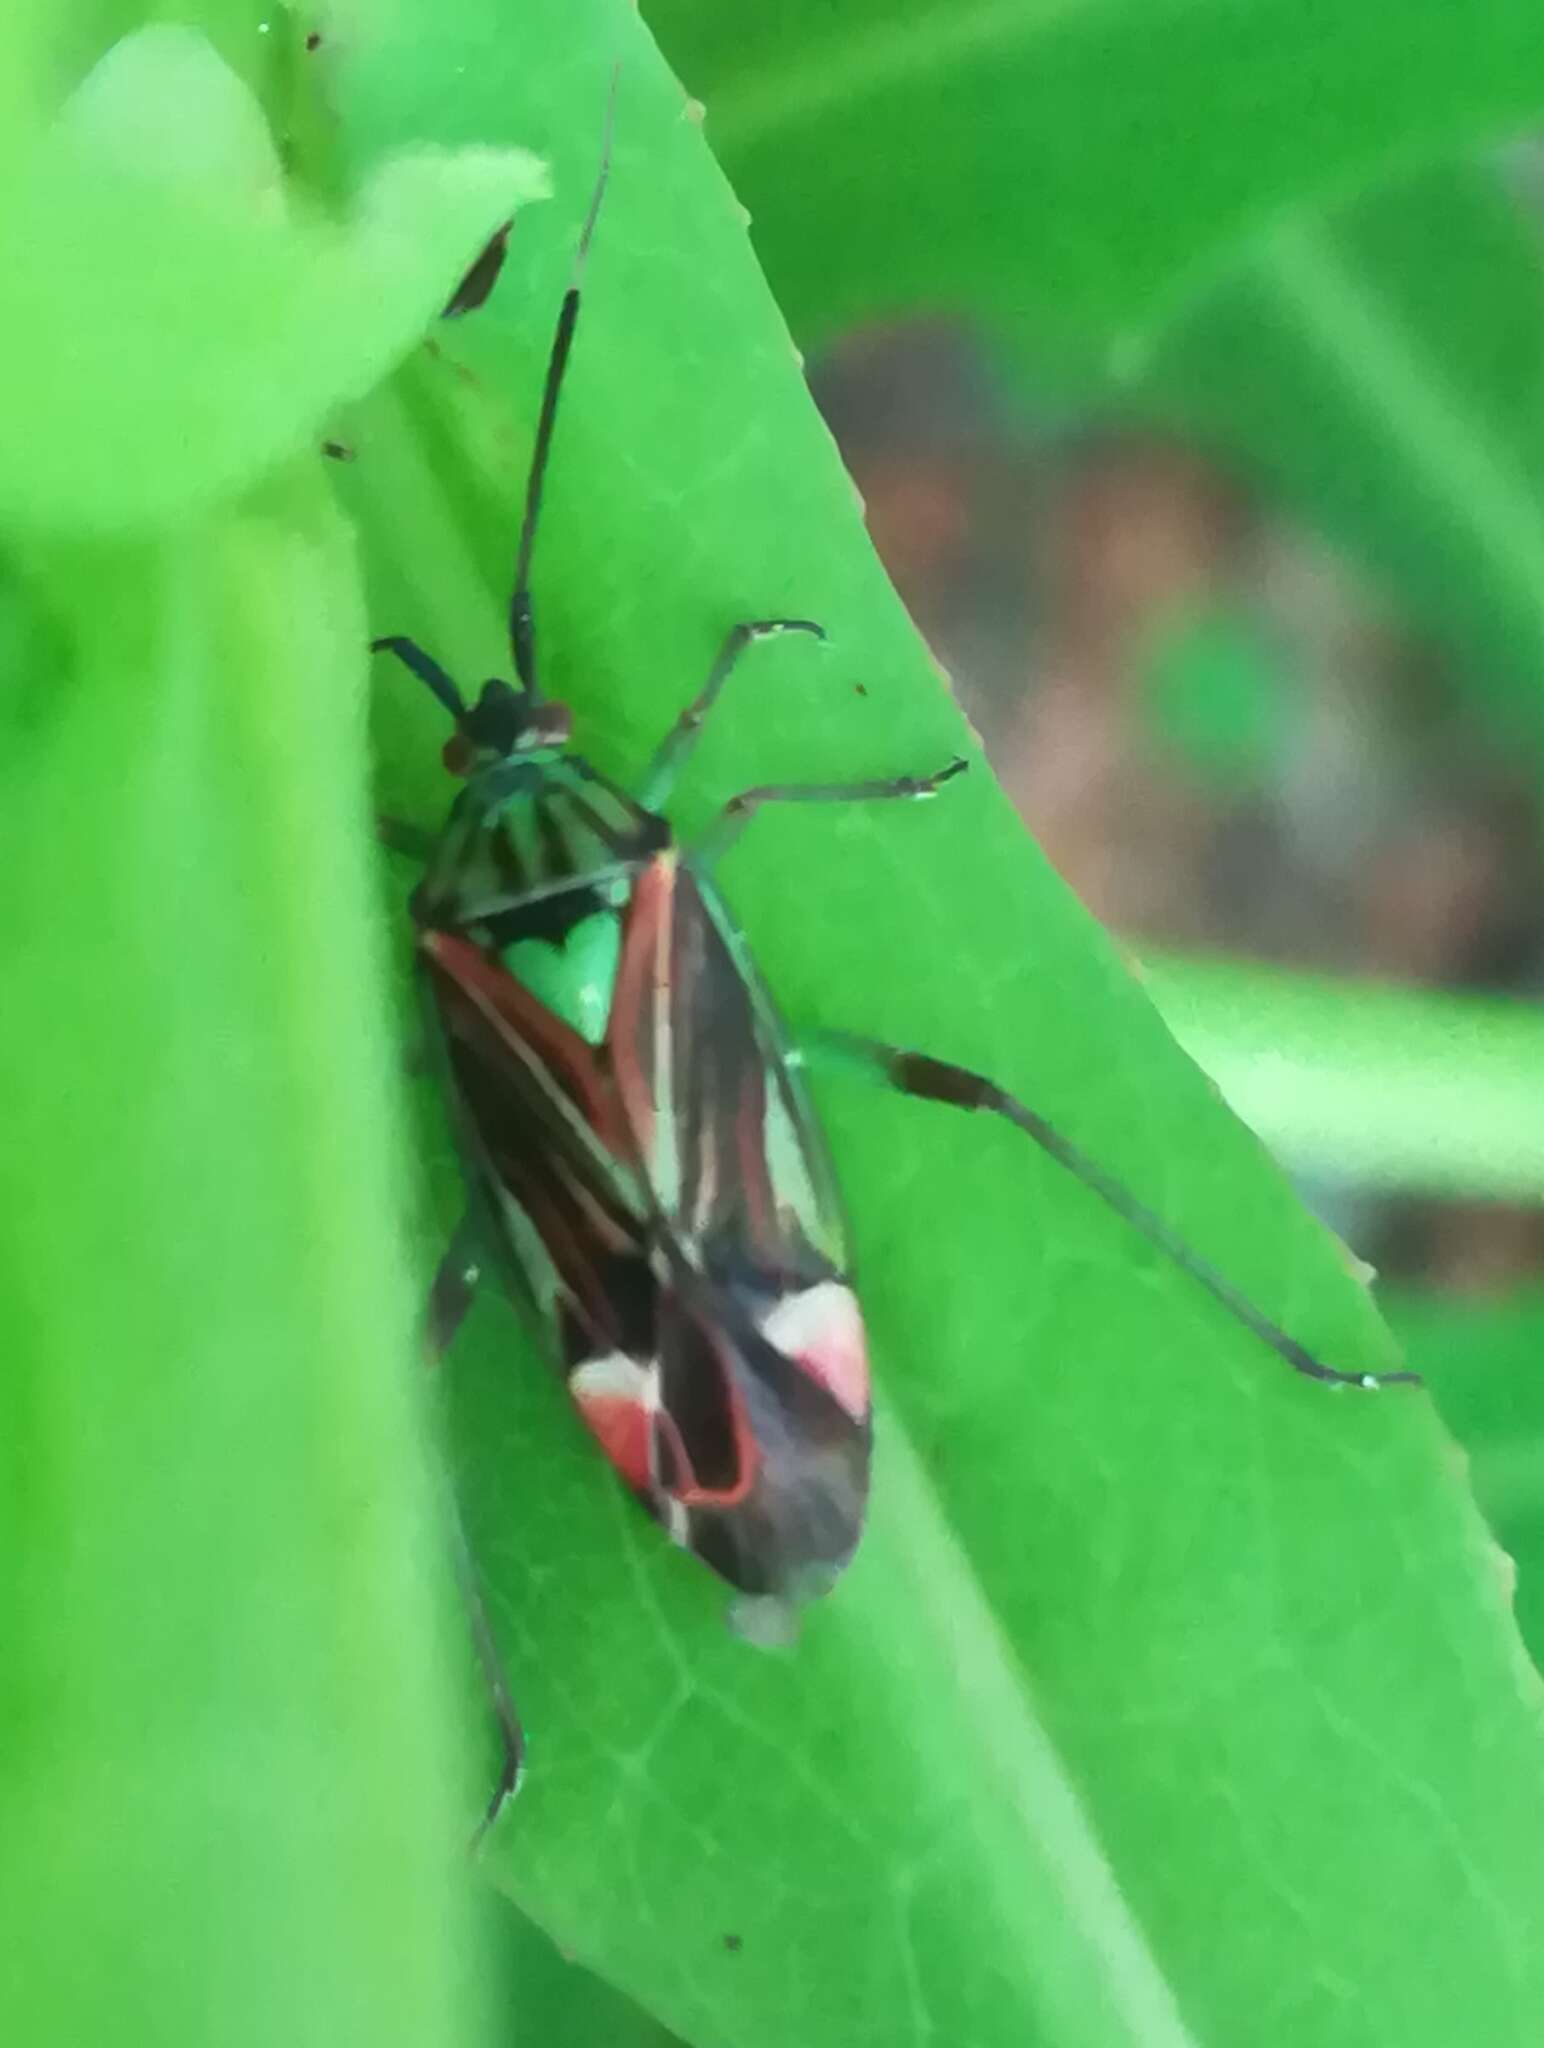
{"type": "Point", "coordinates": [452, 1291]}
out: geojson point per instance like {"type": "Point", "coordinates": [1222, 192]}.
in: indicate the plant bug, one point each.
{"type": "Point", "coordinates": [643, 1161]}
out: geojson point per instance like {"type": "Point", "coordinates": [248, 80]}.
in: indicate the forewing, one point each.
{"type": "Point", "coordinates": [718, 1116]}
{"type": "Point", "coordinates": [541, 1135]}
{"type": "Point", "coordinates": [763, 1369]}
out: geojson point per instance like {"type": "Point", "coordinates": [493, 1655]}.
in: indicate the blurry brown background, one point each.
{"type": "Point", "coordinates": [1219, 734]}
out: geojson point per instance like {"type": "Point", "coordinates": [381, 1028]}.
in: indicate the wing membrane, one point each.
{"type": "Point", "coordinates": [717, 1115]}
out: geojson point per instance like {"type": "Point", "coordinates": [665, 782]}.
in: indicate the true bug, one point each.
{"type": "Point", "coordinates": [642, 1158]}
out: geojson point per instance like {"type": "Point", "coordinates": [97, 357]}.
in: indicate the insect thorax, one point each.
{"type": "Point", "coordinates": [535, 865]}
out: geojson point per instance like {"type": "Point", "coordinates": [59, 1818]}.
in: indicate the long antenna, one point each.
{"type": "Point", "coordinates": [522, 627]}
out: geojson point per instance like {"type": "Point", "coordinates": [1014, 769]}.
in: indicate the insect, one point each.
{"type": "Point", "coordinates": [643, 1162]}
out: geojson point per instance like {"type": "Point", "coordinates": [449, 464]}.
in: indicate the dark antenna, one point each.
{"type": "Point", "coordinates": [522, 628]}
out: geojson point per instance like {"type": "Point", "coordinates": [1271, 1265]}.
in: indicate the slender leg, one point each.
{"type": "Point", "coordinates": [450, 1294]}
{"type": "Point", "coordinates": [732, 820]}
{"type": "Point", "coordinates": [450, 1297]}
{"type": "Point", "coordinates": [511, 1734]}
{"type": "Point", "coordinates": [677, 744]}
{"type": "Point", "coordinates": [411, 841]}
{"type": "Point", "coordinates": [915, 1073]}
{"type": "Point", "coordinates": [427, 670]}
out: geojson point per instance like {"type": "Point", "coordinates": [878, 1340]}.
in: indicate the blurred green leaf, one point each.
{"type": "Point", "coordinates": [1378, 370]}
{"type": "Point", "coordinates": [229, 1771]}
{"type": "Point", "coordinates": [1157, 1664]}
{"type": "Point", "coordinates": [1395, 1088]}
{"type": "Point", "coordinates": [1072, 165]}
{"type": "Point", "coordinates": [175, 322]}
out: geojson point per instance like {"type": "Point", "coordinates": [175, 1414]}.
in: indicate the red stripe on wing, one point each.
{"type": "Point", "coordinates": [638, 1032]}
{"type": "Point", "coordinates": [525, 1020]}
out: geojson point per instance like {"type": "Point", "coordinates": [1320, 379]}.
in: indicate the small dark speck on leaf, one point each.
{"type": "Point", "coordinates": [338, 451]}
{"type": "Point", "coordinates": [733, 1943]}
{"type": "Point", "coordinates": [860, 689]}
{"type": "Point", "coordinates": [314, 40]}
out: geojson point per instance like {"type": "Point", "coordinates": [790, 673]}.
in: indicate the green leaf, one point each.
{"type": "Point", "coordinates": [1071, 164]}
{"type": "Point", "coordinates": [1170, 1699]}
{"type": "Point", "coordinates": [175, 322]}
{"type": "Point", "coordinates": [1395, 1088]}
{"type": "Point", "coordinates": [548, 1997]}
{"type": "Point", "coordinates": [229, 1769]}
{"type": "Point", "coordinates": [1482, 1359]}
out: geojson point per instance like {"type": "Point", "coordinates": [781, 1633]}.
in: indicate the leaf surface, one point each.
{"type": "Point", "coordinates": [1170, 1699]}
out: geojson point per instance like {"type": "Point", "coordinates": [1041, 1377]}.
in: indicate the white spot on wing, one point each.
{"type": "Point", "coordinates": [615, 1377]}
{"type": "Point", "coordinates": [823, 1329]}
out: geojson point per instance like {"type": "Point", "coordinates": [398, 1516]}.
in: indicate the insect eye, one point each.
{"type": "Point", "coordinates": [458, 754]}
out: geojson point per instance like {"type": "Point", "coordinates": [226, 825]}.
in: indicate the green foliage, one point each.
{"type": "Point", "coordinates": [231, 1767]}
{"type": "Point", "coordinates": [1171, 1699]}
{"type": "Point", "coordinates": [230, 1770]}
{"type": "Point", "coordinates": [1415, 1089]}
{"type": "Point", "coordinates": [1239, 220]}
{"type": "Point", "coordinates": [1112, 153]}
{"type": "Point", "coordinates": [1482, 1362]}
{"type": "Point", "coordinates": [1377, 367]}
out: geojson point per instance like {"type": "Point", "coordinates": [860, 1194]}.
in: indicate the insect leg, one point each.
{"type": "Point", "coordinates": [511, 1734]}
{"type": "Point", "coordinates": [450, 1293]}
{"type": "Point", "coordinates": [449, 1299]}
{"type": "Point", "coordinates": [677, 744]}
{"type": "Point", "coordinates": [732, 820]}
{"type": "Point", "coordinates": [427, 670]}
{"type": "Point", "coordinates": [915, 1073]}
{"type": "Point", "coordinates": [411, 841]}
